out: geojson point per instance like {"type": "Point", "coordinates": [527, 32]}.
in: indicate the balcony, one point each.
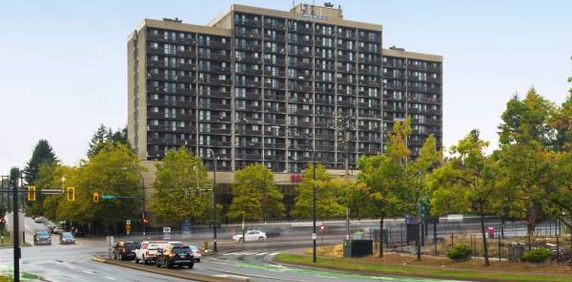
{"type": "Point", "coordinates": [248, 83]}
{"type": "Point", "coordinates": [184, 78]}
{"type": "Point", "coordinates": [372, 61]}
{"type": "Point", "coordinates": [346, 35]}
{"type": "Point", "coordinates": [155, 51]}
{"type": "Point", "coordinates": [300, 29]}
{"type": "Point", "coordinates": [155, 37]}
{"type": "Point", "coordinates": [274, 25]}
{"type": "Point", "coordinates": [249, 59]}
{"type": "Point", "coordinates": [249, 47]}
{"type": "Point", "coordinates": [278, 85]}
{"type": "Point", "coordinates": [248, 34]}
{"type": "Point", "coordinates": [249, 23]}
{"type": "Point", "coordinates": [249, 71]}
{"type": "Point", "coordinates": [222, 82]}
{"type": "Point", "coordinates": [217, 44]}
{"type": "Point", "coordinates": [276, 62]}
{"type": "Point", "coordinates": [346, 69]}
{"type": "Point", "coordinates": [274, 38]}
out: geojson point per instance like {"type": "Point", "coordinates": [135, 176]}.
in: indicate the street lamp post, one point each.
{"type": "Point", "coordinates": [143, 205]}
{"type": "Point", "coordinates": [314, 204]}
{"type": "Point", "coordinates": [214, 200]}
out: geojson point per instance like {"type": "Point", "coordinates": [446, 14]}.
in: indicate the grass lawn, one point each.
{"type": "Point", "coordinates": [431, 268]}
{"type": "Point", "coordinates": [5, 279]}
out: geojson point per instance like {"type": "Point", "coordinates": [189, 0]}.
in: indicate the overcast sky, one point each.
{"type": "Point", "coordinates": [63, 64]}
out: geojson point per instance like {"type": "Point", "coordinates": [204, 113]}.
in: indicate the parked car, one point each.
{"type": "Point", "coordinates": [272, 231]}
{"type": "Point", "coordinates": [125, 250]}
{"type": "Point", "coordinates": [57, 229]}
{"type": "Point", "coordinates": [250, 235]}
{"type": "Point", "coordinates": [148, 251]}
{"type": "Point", "coordinates": [197, 254]}
{"type": "Point", "coordinates": [42, 238]}
{"type": "Point", "coordinates": [175, 256]}
{"type": "Point", "coordinates": [39, 219]}
{"type": "Point", "coordinates": [67, 238]}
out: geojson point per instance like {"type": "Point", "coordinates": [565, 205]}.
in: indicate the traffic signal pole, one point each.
{"type": "Point", "coordinates": [15, 233]}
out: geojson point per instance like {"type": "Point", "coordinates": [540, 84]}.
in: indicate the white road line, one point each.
{"type": "Point", "coordinates": [248, 254]}
{"type": "Point", "coordinates": [231, 254]}
{"type": "Point", "coordinates": [89, 272]}
{"type": "Point", "coordinates": [261, 254]}
{"type": "Point", "coordinates": [273, 254]}
{"type": "Point", "coordinates": [110, 278]}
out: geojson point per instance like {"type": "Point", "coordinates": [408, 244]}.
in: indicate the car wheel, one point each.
{"type": "Point", "coordinates": [190, 265]}
{"type": "Point", "coordinates": [136, 260]}
{"type": "Point", "coordinates": [168, 265]}
{"type": "Point", "coordinates": [198, 260]}
{"type": "Point", "coordinates": [260, 238]}
{"type": "Point", "coordinates": [144, 260]}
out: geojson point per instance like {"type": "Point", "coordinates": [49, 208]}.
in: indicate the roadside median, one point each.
{"type": "Point", "coordinates": [167, 272]}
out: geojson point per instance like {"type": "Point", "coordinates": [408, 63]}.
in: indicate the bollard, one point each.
{"type": "Point", "coordinates": [500, 249]}
{"type": "Point", "coordinates": [206, 245]}
{"type": "Point", "coordinates": [452, 243]}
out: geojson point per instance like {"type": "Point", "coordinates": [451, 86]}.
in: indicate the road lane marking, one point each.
{"type": "Point", "coordinates": [273, 254]}
{"type": "Point", "coordinates": [110, 278]}
{"type": "Point", "coordinates": [261, 254]}
{"type": "Point", "coordinates": [89, 272]}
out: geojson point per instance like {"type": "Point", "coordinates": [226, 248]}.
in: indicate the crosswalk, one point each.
{"type": "Point", "coordinates": [250, 254]}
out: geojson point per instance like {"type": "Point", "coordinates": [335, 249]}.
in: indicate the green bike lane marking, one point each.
{"type": "Point", "coordinates": [336, 274]}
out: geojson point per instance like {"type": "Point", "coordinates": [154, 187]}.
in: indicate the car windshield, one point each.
{"type": "Point", "coordinates": [194, 249]}
{"type": "Point", "coordinates": [67, 236]}
{"type": "Point", "coordinates": [43, 234]}
{"type": "Point", "coordinates": [132, 245]}
{"type": "Point", "coordinates": [182, 250]}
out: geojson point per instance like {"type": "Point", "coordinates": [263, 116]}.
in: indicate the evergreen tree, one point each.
{"type": "Point", "coordinates": [43, 154]}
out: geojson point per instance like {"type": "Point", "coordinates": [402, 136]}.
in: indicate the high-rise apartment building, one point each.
{"type": "Point", "coordinates": [264, 86]}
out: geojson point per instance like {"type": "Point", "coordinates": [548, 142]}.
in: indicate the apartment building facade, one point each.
{"type": "Point", "coordinates": [276, 87]}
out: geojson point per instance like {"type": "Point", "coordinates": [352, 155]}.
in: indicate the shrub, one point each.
{"type": "Point", "coordinates": [459, 252]}
{"type": "Point", "coordinates": [537, 255]}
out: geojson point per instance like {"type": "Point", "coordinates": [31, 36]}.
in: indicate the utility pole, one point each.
{"type": "Point", "coordinates": [264, 196]}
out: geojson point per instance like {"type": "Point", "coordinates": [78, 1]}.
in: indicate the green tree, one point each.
{"type": "Point", "coordinates": [385, 178]}
{"type": "Point", "coordinates": [114, 170]}
{"type": "Point", "coordinates": [50, 177]}
{"type": "Point", "coordinates": [558, 196]}
{"type": "Point", "coordinates": [527, 120]}
{"type": "Point", "coordinates": [42, 154]}
{"type": "Point", "coordinates": [465, 182]}
{"type": "Point", "coordinates": [182, 189]}
{"type": "Point", "coordinates": [327, 204]}
{"type": "Point", "coordinates": [104, 136]}
{"type": "Point", "coordinates": [255, 195]}
{"type": "Point", "coordinates": [526, 138]}
{"type": "Point", "coordinates": [562, 123]}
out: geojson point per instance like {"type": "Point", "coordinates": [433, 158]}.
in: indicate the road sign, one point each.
{"type": "Point", "coordinates": [314, 236]}
{"type": "Point", "coordinates": [128, 221]}
{"type": "Point", "coordinates": [322, 227]}
{"type": "Point", "coordinates": [108, 197]}
{"type": "Point", "coordinates": [167, 233]}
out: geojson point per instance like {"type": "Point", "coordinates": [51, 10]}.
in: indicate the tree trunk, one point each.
{"type": "Point", "coordinates": [485, 247]}
{"type": "Point", "coordinates": [381, 237]}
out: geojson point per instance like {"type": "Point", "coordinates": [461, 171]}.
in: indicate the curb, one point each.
{"type": "Point", "coordinates": [160, 271]}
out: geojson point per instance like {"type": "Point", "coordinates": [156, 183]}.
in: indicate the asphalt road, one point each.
{"type": "Point", "coordinates": [252, 260]}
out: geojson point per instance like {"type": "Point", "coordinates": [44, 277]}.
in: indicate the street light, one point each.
{"type": "Point", "coordinates": [314, 260]}
{"type": "Point", "coordinates": [214, 199]}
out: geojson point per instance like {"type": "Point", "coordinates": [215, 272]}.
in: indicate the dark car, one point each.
{"type": "Point", "coordinates": [42, 238]}
{"type": "Point", "coordinates": [67, 238]}
{"type": "Point", "coordinates": [175, 255]}
{"type": "Point", "coordinates": [125, 250]}
{"type": "Point", "coordinates": [272, 231]}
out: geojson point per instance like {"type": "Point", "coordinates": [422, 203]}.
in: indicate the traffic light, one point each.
{"type": "Point", "coordinates": [31, 193]}
{"type": "Point", "coordinates": [145, 221]}
{"type": "Point", "coordinates": [71, 194]}
{"type": "Point", "coordinates": [95, 197]}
